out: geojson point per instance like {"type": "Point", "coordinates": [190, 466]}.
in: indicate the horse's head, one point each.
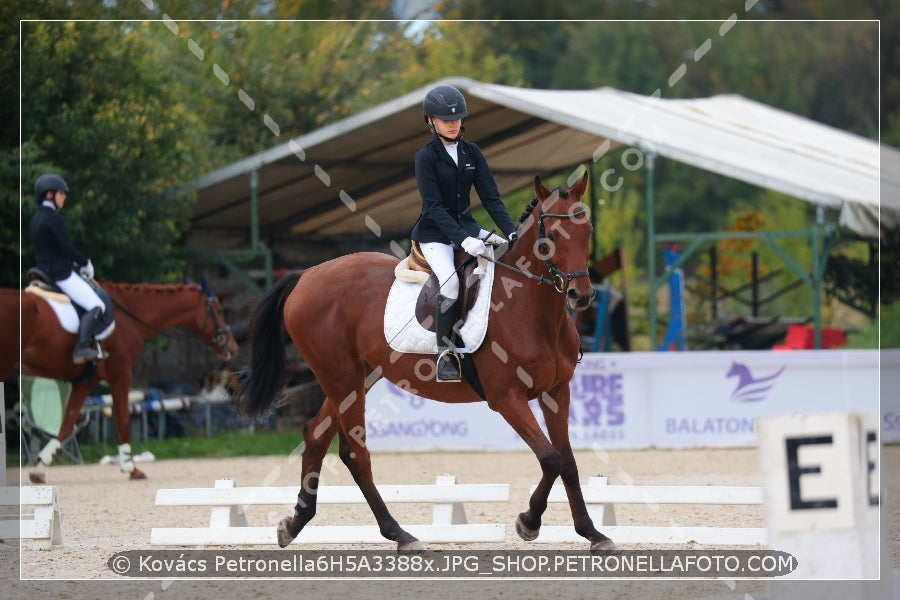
{"type": "Point", "coordinates": [216, 330]}
{"type": "Point", "coordinates": [563, 237]}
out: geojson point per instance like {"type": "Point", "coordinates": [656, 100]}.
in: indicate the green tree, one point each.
{"type": "Point", "coordinates": [103, 107]}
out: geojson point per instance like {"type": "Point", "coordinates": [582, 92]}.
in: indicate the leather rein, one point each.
{"type": "Point", "coordinates": [219, 340]}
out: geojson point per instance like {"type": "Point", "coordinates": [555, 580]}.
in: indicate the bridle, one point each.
{"type": "Point", "coordinates": [559, 279]}
{"type": "Point", "coordinates": [219, 341]}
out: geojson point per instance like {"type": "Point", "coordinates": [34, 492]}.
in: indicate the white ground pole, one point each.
{"type": "Point", "coordinates": [822, 501]}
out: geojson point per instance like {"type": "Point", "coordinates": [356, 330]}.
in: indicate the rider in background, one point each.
{"type": "Point", "coordinates": [446, 169]}
{"type": "Point", "coordinates": [55, 254]}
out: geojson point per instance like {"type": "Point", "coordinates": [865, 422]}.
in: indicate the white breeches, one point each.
{"type": "Point", "coordinates": [440, 259]}
{"type": "Point", "coordinates": [81, 292]}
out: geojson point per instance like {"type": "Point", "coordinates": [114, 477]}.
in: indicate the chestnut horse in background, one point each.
{"type": "Point", "coordinates": [142, 311]}
{"type": "Point", "coordinates": [334, 315]}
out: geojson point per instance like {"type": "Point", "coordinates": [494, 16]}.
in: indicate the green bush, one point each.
{"type": "Point", "coordinates": [888, 325]}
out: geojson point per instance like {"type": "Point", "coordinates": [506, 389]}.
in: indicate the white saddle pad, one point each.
{"type": "Point", "coordinates": [403, 332]}
{"type": "Point", "coordinates": [68, 318]}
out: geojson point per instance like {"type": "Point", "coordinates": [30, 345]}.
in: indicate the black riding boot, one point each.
{"type": "Point", "coordinates": [85, 347]}
{"type": "Point", "coordinates": [448, 360]}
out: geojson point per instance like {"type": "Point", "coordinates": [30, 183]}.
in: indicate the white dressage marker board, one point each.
{"type": "Point", "coordinates": [601, 498]}
{"type": "Point", "coordinates": [44, 526]}
{"type": "Point", "coordinates": [821, 479]}
{"type": "Point", "coordinates": [229, 526]}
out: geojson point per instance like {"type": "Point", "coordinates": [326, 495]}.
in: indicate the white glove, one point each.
{"type": "Point", "coordinates": [87, 271]}
{"type": "Point", "coordinates": [474, 246]}
{"type": "Point", "coordinates": [494, 240]}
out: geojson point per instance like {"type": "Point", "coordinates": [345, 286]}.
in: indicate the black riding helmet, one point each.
{"type": "Point", "coordinates": [49, 182]}
{"type": "Point", "coordinates": [445, 102]}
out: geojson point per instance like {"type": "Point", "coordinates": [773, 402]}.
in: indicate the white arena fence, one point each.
{"type": "Point", "coordinates": [601, 498]}
{"type": "Point", "coordinates": [228, 524]}
{"type": "Point", "coordinates": [43, 525]}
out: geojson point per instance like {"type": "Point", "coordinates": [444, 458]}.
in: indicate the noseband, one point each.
{"type": "Point", "coordinates": [560, 278]}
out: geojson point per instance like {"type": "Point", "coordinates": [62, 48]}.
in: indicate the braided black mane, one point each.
{"type": "Point", "coordinates": [563, 193]}
{"type": "Point", "coordinates": [528, 210]}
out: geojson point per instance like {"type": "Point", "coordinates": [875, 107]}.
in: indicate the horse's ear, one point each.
{"type": "Point", "coordinates": [540, 190]}
{"type": "Point", "coordinates": [204, 285]}
{"type": "Point", "coordinates": [580, 187]}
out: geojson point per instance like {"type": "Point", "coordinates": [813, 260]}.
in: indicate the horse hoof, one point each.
{"type": "Point", "coordinates": [606, 545]}
{"type": "Point", "coordinates": [35, 477]}
{"type": "Point", "coordinates": [284, 537]}
{"type": "Point", "coordinates": [524, 532]}
{"type": "Point", "coordinates": [136, 475]}
{"type": "Point", "coordinates": [413, 547]}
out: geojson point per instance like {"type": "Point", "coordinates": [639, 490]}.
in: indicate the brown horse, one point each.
{"type": "Point", "coordinates": [334, 312]}
{"type": "Point", "coordinates": [142, 312]}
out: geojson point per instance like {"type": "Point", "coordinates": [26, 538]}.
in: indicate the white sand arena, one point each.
{"type": "Point", "coordinates": [104, 513]}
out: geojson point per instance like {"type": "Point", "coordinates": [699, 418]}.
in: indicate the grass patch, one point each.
{"type": "Point", "coordinates": [888, 327]}
{"type": "Point", "coordinates": [222, 445]}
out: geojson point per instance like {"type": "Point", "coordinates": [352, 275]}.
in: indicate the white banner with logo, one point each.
{"type": "Point", "coordinates": [890, 396]}
{"type": "Point", "coordinates": [656, 399]}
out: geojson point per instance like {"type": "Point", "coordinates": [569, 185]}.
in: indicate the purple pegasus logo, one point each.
{"type": "Point", "coordinates": [750, 389]}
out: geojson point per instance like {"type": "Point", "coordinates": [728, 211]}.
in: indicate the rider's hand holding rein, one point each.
{"type": "Point", "coordinates": [87, 271]}
{"type": "Point", "coordinates": [474, 246]}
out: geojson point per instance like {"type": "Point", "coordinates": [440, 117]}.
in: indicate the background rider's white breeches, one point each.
{"type": "Point", "coordinates": [81, 292]}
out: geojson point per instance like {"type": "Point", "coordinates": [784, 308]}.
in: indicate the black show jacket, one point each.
{"type": "Point", "coordinates": [53, 249]}
{"type": "Point", "coordinates": [445, 187]}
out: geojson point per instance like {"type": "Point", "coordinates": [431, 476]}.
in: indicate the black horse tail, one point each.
{"type": "Point", "coordinates": [258, 389]}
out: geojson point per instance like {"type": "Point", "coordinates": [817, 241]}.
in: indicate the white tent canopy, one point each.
{"type": "Point", "coordinates": [736, 137]}
{"type": "Point", "coordinates": [355, 176]}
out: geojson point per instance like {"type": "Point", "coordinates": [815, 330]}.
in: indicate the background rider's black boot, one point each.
{"type": "Point", "coordinates": [448, 361]}
{"type": "Point", "coordinates": [85, 348]}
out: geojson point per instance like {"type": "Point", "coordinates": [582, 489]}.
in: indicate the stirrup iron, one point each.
{"type": "Point", "coordinates": [452, 376]}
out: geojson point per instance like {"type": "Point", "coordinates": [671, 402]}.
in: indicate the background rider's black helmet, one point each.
{"type": "Point", "coordinates": [46, 183]}
{"type": "Point", "coordinates": [445, 102]}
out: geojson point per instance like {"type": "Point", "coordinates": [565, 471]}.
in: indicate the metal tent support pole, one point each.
{"type": "Point", "coordinates": [651, 247]}
{"type": "Point", "coordinates": [254, 209]}
{"type": "Point", "coordinates": [594, 209]}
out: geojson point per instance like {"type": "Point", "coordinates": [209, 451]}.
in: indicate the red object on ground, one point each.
{"type": "Point", "coordinates": [802, 337]}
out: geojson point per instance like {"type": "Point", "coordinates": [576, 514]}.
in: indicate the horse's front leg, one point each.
{"type": "Point", "coordinates": [122, 416]}
{"type": "Point", "coordinates": [555, 407]}
{"type": "Point", "coordinates": [70, 417]}
{"type": "Point", "coordinates": [515, 410]}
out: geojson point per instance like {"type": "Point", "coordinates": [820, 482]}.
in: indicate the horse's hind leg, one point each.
{"type": "Point", "coordinates": [355, 455]}
{"type": "Point", "coordinates": [556, 415]}
{"type": "Point", "coordinates": [317, 436]}
{"type": "Point", "coordinates": [70, 417]}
